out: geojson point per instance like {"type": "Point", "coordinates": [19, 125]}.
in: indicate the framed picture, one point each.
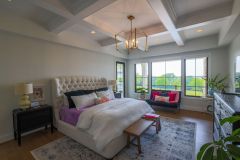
{"type": "Point", "coordinates": [38, 94]}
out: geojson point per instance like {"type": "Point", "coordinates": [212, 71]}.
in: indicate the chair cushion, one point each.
{"type": "Point", "coordinates": [162, 104]}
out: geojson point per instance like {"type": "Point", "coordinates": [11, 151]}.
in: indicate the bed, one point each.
{"type": "Point", "coordinates": [69, 83]}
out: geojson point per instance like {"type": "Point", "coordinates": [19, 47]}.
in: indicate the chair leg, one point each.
{"type": "Point", "coordinates": [128, 140]}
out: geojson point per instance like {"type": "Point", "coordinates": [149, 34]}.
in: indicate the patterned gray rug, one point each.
{"type": "Point", "coordinates": [176, 141]}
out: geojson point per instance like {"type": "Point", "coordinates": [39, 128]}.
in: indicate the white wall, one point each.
{"type": "Point", "coordinates": [24, 59]}
{"type": "Point", "coordinates": [218, 63]}
{"type": "Point", "coordinates": [234, 51]}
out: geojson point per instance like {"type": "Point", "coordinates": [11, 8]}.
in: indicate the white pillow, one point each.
{"type": "Point", "coordinates": [84, 100]}
{"type": "Point", "coordinates": [108, 93]}
{"type": "Point", "coordinates": [162, 99]}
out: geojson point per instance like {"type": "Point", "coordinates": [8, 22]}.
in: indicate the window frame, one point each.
{"type": "Point", "coordinates": [135, 77]}
{"type": "Point", "coordinates": [185, 77]}
{"type": "Point", "coordinates": [124, 76]}
{"type": "Point", "coordinates": [165, 74]}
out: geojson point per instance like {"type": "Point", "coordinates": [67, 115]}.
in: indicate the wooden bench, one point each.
{"type": "Point", "coordinates": [155, 118]}
{"type": "Point", "coordinates": [136, 130]}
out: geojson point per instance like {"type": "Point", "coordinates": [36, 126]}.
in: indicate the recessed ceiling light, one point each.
{"type": "Point", "coordinates": [199, 30]}
{"type": "Point", "coordinates": [9, 0]}
{"type": "Point", "coordinates": [93, 32]}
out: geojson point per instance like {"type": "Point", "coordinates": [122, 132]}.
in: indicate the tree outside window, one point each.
{"type": "Point", "coordinates": [195, 77]}
{"type": "Point", "coordinates": [141, 77]}
{"type": "Point", "coordinates": [166, 75]}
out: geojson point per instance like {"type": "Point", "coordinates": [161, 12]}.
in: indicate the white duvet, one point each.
{"type": "Point", "coordinates": [107, 121]}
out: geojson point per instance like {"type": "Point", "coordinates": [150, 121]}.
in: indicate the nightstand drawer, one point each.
{"type": "Point", "coordinates": [34, 121]}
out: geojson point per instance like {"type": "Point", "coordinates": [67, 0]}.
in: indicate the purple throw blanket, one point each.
{"type": "Point", "coordinates": [70, 115]}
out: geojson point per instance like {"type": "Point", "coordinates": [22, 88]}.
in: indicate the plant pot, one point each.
{"type": "Point", "coordinates": [210, 91]}
{"type": "Point", "coordinates": [142, 95]}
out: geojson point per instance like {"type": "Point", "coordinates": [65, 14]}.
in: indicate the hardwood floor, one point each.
{"type": "Point", "coordinates": [11, 151]}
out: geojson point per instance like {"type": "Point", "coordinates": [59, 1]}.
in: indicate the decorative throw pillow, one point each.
{"type": "Point", "coordinates": [100, 100]}
{"type": "Point", "coordinates": [155, 93]}
{"type": "Point", "coordinates": [108, 93]}
{"type": "Point", "coordinates": [162, 99]}
{"type": "Point", "coordinates": [73, 93]}
{"type": "Point", "coordinates": [176, 99]}
{"type": "Point", "coordinates": [84, 100]}
{"type": "Point", "coordinates": [101, 89]}
{"type": "Point", "coordinates": [164, 94]}
{"type": "Point", "coordinates": [172, 96]}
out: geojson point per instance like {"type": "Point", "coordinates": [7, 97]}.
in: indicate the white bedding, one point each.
{"type": "Point", "coordinates": [107, 121]}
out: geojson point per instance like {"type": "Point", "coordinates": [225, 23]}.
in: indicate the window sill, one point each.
{"type": "Point", "coordinates": [198, 98]}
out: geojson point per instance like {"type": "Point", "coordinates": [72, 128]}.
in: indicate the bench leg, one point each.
{"type": "Point", "coordinates": [128, 140]}
{"type": "Point", "coordinates": [139, 145]}
{"type": "Point", "coordinates": [159, 125]}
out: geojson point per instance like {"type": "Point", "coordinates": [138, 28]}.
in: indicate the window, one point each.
{"type": "Point", "coordinates": [196, 77]}
{"type": "Point", "coordinates": [120, 77]}
{"type": "Point", "coordinates": [141, 77]}
{"type": "Point", "coordinates": [166, 75]}
{"type": "Point", "coordinates": [237, 75]}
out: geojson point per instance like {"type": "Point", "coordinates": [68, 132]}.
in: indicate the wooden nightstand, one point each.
{"type": "Point", "coordinates": [30, 119]}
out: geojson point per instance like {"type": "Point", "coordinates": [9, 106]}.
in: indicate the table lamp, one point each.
{"type": "Point", "coordinates": [113, 84]}
{"type": "Point", "coordinates": [23, 89]}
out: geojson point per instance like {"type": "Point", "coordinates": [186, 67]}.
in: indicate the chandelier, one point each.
{"type": "Point", "coordinates": [130, 37]}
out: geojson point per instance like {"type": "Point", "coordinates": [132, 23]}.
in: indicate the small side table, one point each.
{"type": "Point", "coordinates": [25, 120]}
{"type": "Point", "coordinates": [117, 95]}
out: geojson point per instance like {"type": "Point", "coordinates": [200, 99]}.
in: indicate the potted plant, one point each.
{"type": "Point", "coordinates": [224, 148]}
{"type": "Point", "coordinates": [216, 84]}
{"type": "Point", "coordinates": [142, 92]}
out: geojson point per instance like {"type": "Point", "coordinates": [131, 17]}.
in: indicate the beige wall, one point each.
{"type": "Point", "coordinates": [24, 59]}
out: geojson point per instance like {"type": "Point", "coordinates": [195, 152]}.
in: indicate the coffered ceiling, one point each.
{"type": "Point", "coordinates": [71, 22]}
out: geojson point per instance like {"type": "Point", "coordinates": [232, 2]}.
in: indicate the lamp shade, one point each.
{"type": "Point", "coordinates": [23, 88]}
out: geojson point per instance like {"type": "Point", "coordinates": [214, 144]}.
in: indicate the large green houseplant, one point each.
{"type": "Point", "coordinates": [216, 84]}
{"type": "Point", "coordinates": [223, 149]}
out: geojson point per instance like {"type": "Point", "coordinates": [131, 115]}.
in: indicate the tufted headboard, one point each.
{"type": "Point", "coordinates": [70, 83]}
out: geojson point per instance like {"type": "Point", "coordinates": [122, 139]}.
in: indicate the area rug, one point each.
{"type": "Point", "coordinates": [176, 141]}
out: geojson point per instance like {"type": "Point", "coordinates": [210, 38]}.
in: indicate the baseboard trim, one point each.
{"type": "Point", "coordinates": [198, 109]}
{"type": "Point", "coordinates": [8, 137]}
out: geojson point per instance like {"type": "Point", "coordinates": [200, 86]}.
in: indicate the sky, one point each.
{"type": "Point", "coordinates": [158, 68]}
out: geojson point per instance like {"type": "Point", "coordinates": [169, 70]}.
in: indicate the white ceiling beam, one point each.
{"type": "Point", "coordinates": [231, 28]}
{"type": "Point", "coordinates": [161, 11]}
{"type": "Point", "coordinates": [199, 17]}
{"type": "Point", "coordinates": [54, 6]}
{"type": "Point", "coordinates": [97, 5]}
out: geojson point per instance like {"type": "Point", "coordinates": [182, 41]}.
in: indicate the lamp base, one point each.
{"type": "Point", "coordinates": [24, 102]}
